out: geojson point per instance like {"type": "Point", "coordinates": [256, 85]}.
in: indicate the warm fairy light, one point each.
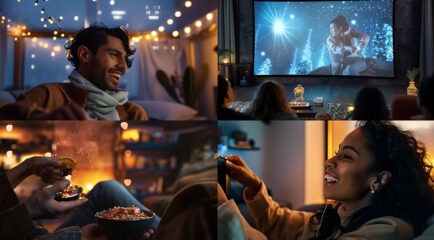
{"type": "Point", "coordinates": [161, 28]}
{"type": "Point", "coordinates": [188, 4]}
{"type": "Point", "coordinates": [124, 125]}
{"type": "Point", "coordinates": [71, 38]}
{"type": "Point", "coordinates": [178, 14]}
{"type": "Point", "coordinates": [175, 33]}
{"type": "Point", "coordinates": [53, 54]}
{"type": "Point", "coordinates": [24, 27]}
{"type": "Point", "coordinates": [225, 60]}
{"type": "Point", "coordinates": [62, 35]}
{"type": "Point", "coordinates": [75, 18]}
{"type": "Point", "coordinates": [54, 38]}
{"type": "Point", "coordinates": [55, 32]}
{"type": "Point", "coordinates": [24, 34]}
{"type": "Point", "coordinates": [34, 39]}
{"type": "Point", "coordinates": [156, 39]}
{"type": "Point", "coordinates": [28, 33]}
{"type": "Point", "coordinates": [33, 55]}
{"type": "Point", "coordinates": [61, 18]}
{"type": "Point", "coordinates": [136, 39]}
{"type": "Point", "coordinates": [209, 16]}
{"type": "Point", "coordinates": [198, 23]}
{"type": "Point", "coordinates": [9, 153]}
{"type": "Point", "coordinates": [147, 36]}
{"type": "Point", "coordinates": [154, 33]}
{"type": "Point", "coordinates": [45, 25]}
{"type": "Point", "coordinates": [45, 45]}
{"type": "Point", "coordinates": [32, 66]}
{"type": "Point", "coordinates": [169, 21]}
{"type": "Point", "coordinates": [48, 154]}
{"type": "Point", "coordinates": [15, 39]}
{"type": "Point", "coordinates": [89, 186]}
{"type": "Point", "coordinates": [9, 127]}
{"type": "Point", "coordinates": [40, 44]}
{"type": "Point", "coordinates": [42, 19]}
{"type": "Point", "coordinates": [42, 10]}
{"type": "Point", "coordinates": [3, 17]}
{"type": "Point", "coordinates": [187, 30]}
{"type": "Point", "coordinates": [127, 182]}
{"type": "Point", "coordinates": [112, 2]}
{"type": "Point", "coordinates": [56, 48]}
{"type": "Point", "coordinates": [8, 26]}
{"type": "Point", "coordinates": [350, 108]}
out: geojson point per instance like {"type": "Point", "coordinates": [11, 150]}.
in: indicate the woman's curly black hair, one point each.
{"type": "Point", "coordinates": [408, 194]}
{"type": "Point", "coordinates": [94, 37]}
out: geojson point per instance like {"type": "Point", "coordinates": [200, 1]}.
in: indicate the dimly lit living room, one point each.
{"type": "Point", "coordinates": [323, 53]}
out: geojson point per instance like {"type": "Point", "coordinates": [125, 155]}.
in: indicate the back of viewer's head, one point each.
{"type": "Point", "coordinates": [269, 101]}
{"type": "Point", "coordinates": [370, 105]}
{"type": "Point", "coordinates": [426, 97]}
{"type": "Point", "coordinates": [93, 38]}
{"type": "Point", "coordinates": [222, 93]}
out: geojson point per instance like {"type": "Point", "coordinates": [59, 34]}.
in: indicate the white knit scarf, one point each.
{"type": "Point", "coordinates": [100, 105]}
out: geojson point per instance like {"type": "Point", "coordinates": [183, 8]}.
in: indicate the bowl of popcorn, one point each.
{"type": "Point", "coordinates": [125, 222]}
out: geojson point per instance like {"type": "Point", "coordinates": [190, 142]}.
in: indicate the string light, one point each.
{"type": "Point", "coordinates": [62, 35]}
{"type": "Point", "coordinates": [161, 28]}
{"type": "Point", "coordinates": [187, 30]}
{"type": "Point", "coordinates": [153, 33]}
{"type": "Point", "coordinates": [188, 4]}
{"type": "Point", "coordinates": [169, 21]}
{"type": "Point", "coordinates": [45, 25]}
{"type": "Point", "coordinates": [60, 18]}
{"type": "Point", "coordinates": [54, 38]}
{"type": "Point", "coordinates": [42, 19]}
{"type": "Point", "coordinates": [198, 23]}
{"type": "Point", "coordinates": [175, 33]}
{"type": "Point", "coordinates": [42, 10]}
{"type": "Point", "coordinates": [178, 14]}
{"type": "Point", "coordinates": [209, 16]}
{"type": "Point", "coordinates": [36, 2]}
{"type": "Point", "coordinates": [147, 36]}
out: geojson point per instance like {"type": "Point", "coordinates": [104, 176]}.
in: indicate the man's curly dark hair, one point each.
{"type": "Point", "coordinates": [408, 194]}
{"type": "Point", "coordinates": [94, 37]}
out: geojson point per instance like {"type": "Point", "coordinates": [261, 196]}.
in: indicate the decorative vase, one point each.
{"type": "Point", "coordinates": [298, 91]}
{"type": "Point", "coordinates": [412, 90]}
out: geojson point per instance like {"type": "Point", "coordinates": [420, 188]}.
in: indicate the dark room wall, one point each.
{"type": "Point", "coordinates": [196, 11]}
{"type": "Point", "coordinates": [407, 41]}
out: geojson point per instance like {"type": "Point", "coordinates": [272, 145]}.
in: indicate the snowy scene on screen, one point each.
{"type": "Point", "coordinates": [349, 38]}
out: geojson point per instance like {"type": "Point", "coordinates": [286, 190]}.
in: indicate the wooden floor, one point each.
{"type": "Point", "coordinates": [330, 93]}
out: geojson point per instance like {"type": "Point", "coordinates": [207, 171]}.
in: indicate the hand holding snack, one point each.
{"type": "Point", "coordinates": [45, 167]}
{"type": "Point", "coordinates": [43, 205]}
{"type": "Point", "coordinates": [68, 164]}
{"type": "Point", "coordinates": [243, 174]}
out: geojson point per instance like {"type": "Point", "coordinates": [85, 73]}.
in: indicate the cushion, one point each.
{"type": "Point", "coordinates": [163, 110]}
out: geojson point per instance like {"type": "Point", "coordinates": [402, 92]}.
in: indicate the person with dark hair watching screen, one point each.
{"type": "Point", "coordinates": [100, 56]}
{"type": "Point", "coordinates": [370, 105]}
{"type": "Point", "coordinates": [224, 96]}
{"type": "Point", "coordinates": [426, 98]}
{"type": "Point", "coordinates": [379, 180]}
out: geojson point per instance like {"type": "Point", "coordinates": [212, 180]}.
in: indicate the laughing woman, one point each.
{"type": "Point", "coordinates": [379, 181]}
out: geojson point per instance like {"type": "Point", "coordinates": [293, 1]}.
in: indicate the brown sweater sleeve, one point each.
{"type": "Point", "coordinates": [276, 222]}
{"type": "Point", "coordinates": [15, 221]}
{"type": "Point", "coordinates": [27, 104]}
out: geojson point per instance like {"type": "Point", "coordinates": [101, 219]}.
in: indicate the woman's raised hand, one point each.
{"type": "Point", "coordinates": [243, 174]}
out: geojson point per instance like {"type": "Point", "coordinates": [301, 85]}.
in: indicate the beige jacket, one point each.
{"type": "Point", "coordinates": [282, 223]}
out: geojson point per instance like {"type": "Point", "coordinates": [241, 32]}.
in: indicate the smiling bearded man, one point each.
{"type": "Point", "coordinates": [100, 56]}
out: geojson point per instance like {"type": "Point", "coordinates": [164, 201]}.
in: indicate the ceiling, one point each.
{"type": "Point", "coordinates": [136, 15]}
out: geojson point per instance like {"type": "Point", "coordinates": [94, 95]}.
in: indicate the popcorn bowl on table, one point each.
{"type": "Point", "coordinates": [124, 222]}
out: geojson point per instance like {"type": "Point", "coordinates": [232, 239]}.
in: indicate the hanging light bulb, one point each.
{"type": "Point", "coordinates": [209, 16]}
{"type": "Point", "coordinates": [198, 23]}
{"type": "Point", "coordinates": [175, 33]}
{"type": "Point", "coordinates": [161, 28]}
{"type": "Point", "coordinates": [60, 18]}
{"type": "Point", "coordinates": [42, 19]}
{"type": "Point", "coordinates": [36, 2]}
{"type": "Point", "coordinates": [42, 10]}
{"type": "Point", "coordinates": [169, 21]}
{"type": "Point", "coordinates": [178, 14]}
{"type": "Point", "coordinates": [187, 30]}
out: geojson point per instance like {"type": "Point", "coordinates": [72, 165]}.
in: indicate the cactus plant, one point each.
{"type": "Point", "coordinates": [191, 87]}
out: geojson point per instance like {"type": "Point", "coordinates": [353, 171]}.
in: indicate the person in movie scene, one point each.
{"type": "Point", "coordinates": [100, 56]}
{"type": "Point", "coordinates": [377, 186]}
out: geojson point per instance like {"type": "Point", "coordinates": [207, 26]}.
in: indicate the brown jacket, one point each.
{"type": "Point", "coordinates": [14, 218]}
{"type": "Point", "coordinates": [51, 96]}
{"type": "Point", "coordinates": [282, 223]}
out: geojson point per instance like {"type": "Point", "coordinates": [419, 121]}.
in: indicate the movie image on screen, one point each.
{"type": "Point", "coordinates": [341, 38]}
